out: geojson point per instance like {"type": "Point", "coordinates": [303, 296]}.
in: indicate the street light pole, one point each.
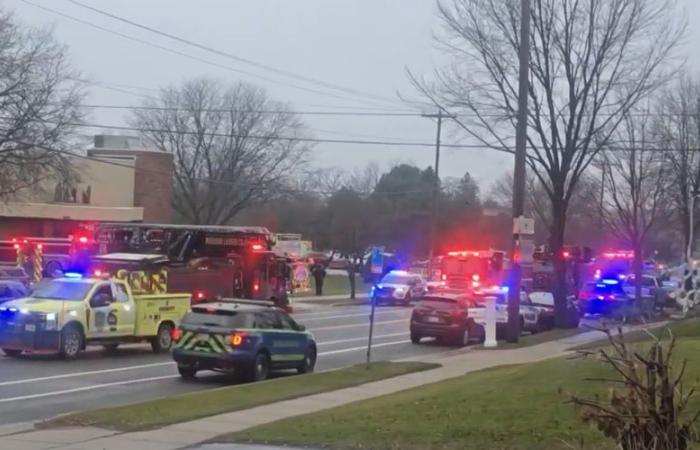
{"type": "Point", "coordinates": [691, 221]}
{"type": "Point", "coordinates": [519, 170]}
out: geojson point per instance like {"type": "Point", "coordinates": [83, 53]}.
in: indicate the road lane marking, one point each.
{"type": "Point", "coordinates": [356, 325]}
{"type": "Point", "coordinates": [363, 338]}
{"type": "Point", "coordinates": [366, 314]}
{"type": "Point", "coordinates": [85, 388]}
{"type": "Point", "coordinates": [364, 347]}
{"type": "Point", "coordinates": [80, 374]}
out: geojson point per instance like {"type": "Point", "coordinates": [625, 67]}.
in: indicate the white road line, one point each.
{"type": "Point", "coordinates": [365, 314]}
{"type": "Point", "coordinates": [85, 388]}
{"type": "Point", "coordinates": [356, 325]}
{"type": "Point", "coordinates": [80, 374]}
{"type": "Point", "coordinates": [364, 347]}
{"type": "Point", "coordinates": [363, 338]}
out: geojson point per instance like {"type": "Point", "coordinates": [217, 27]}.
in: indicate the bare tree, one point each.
{"type": "Point", "coordinates": [233, 147]}
{"type": "Point", "coordinates": [40, 105]}
{"type": "Point", "coordinates": [635, 187]}
{"type": "Point", "coordinates": [365, 180]}
{"type": "Point", "coordinates": [677, 129]}
{"type": "Point", "coordinates": [591, 61]}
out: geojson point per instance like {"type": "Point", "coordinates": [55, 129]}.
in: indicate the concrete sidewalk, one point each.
{"type": "Point", "coordinates": [191, 433]}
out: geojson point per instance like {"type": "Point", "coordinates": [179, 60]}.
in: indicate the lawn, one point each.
{"type": "Point", "coordinates": [509, 407]}
{"type": "Point", "coordinates": [337, 285]}
{"type": "Point", "coordinates": [180, 408]}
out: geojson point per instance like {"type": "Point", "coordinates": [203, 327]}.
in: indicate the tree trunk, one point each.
{"type": "Point", "coordinates": [638, 256]}
{"type": "Point", "coordinates": [559, 286]}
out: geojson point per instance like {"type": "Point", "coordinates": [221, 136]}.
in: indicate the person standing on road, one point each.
{"type": "Point", "coordinates": [318, 270]}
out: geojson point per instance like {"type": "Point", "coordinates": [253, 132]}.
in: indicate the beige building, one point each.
{"type": "Point", "coordinates": [117, 181]}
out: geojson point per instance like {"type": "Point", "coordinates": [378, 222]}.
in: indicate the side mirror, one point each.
{"type": "Point", "coordinates": [301, 327]}
{"type": "Point", "coordinates": [100, 300]}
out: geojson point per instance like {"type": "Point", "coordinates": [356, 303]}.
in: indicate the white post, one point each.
{"type": "Point", "coordinates": [490, 325]}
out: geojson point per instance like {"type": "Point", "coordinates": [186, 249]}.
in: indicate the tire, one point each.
{"type": "Point", "coordinates": [415, 338]}
{"type": "Point", "coordinates": [462, 339]}
{"type": "Point", "coordinates": [309, 361]}
{"type": "Point", "coordinates": [187, 372]}
{"type": "Point", "coordinates": [163, 340]}
{"type": "Point", "coordinates": [11, 352]}
{"type": "Point", "coordinates": [260, 368]}
{"type": "Point", "coordinates": [71, 342]}
{"type": "Point", "coordinates": [110, 348]}
{"type": "Point", "coordinates": [52, 268]}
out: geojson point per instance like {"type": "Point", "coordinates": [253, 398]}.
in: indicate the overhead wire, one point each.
{"type": "Point", "coordinates": [234, 57]}
{"type": "Point", "coordinates": [183, 54]}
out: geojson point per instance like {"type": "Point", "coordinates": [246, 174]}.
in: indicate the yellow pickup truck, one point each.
{"type": "Point", "coordinates": [64, 315]}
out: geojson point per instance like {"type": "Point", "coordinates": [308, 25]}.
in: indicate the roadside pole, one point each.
{"type": "Point", "coordinates": [436, 188]}
{"type": "Point", "coordinates": [371, 330]}
{"type": "Point", "coordinates": [519, 172]}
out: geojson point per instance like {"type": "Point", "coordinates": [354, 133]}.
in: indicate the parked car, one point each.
{"type": "Point", "coordinates": [445, 316]}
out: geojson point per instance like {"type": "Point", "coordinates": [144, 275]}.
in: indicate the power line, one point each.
{"type": "Point", "coordinates": [210, 180]}
{"type": "Point", "coordinates": [258, 111]}
{"type": "Point", "coordinates": [267, 67]}
{"type": "Point", "coordinates": [183, 54]}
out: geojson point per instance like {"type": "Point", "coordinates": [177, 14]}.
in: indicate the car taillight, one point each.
{"type": "Point", "coordinates": [237, 339]}
{"type": "Point", "coordinates": [444, 276]}
{"type": "Point", "coordinates": [176, 334]}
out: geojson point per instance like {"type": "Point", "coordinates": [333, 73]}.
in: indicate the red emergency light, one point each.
{"type": "Point", "coordinates": [463, 253]}
{"type": "Point", "coordinates": [176, 334]}
{"type": "Point", "coordinates": [620, 254]}
{"type": "Point", "coordinates": [566, 254]}
{"type": "Point", "coordinates": [257, 247]}
{"type": "Point", "coordinates": [200, 295]}
{"type": "Point", "coordinates": [16, 246]}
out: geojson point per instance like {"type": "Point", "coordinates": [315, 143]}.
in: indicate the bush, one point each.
{"type": "Point", "coordinates": [646, 408]}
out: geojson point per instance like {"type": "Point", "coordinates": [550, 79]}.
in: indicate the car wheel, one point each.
{"type": "Point", "coordinates": [110, 348]}
{"type": "Point", "coordinates": [462, 339]}
{"type": "Point", "coordinates": [309, 361]}
{"type": "Point", "coordinates": [11, 352]}
{"type": "Point", "coordinates": [163, 340]}
{"type": "Point", "coordinates": [187, 372]}
{"type": "Point", "coordinates": [71, 342]}
{"type": "Point", "coordinates": [260, 369]}
{"type": "Point", "coordinates": [415, 338]}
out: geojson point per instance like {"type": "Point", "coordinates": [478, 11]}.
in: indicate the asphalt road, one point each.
{"type": "Point", "coordinates": [39, 387]}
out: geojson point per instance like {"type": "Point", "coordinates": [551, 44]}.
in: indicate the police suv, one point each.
{"type": "Point", "coordinates": [248, 337]}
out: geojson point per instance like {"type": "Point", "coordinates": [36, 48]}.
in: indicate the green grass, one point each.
{"type": "Point", "coordinates": [180, 408]}
{"type": "Point", "coordinates": [509, 407]}
{"type": "Point", "coordinates": [337, 285]}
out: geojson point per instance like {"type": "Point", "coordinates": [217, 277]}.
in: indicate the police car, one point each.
{"type": "Point", "coordinates": [248, 337]}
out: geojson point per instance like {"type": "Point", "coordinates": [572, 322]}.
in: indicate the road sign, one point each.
{"type": "Point", "coordinates": [524, 225]}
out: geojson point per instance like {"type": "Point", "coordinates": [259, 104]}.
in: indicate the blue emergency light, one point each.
{"type": "Point", "coordinates": [74, 275]}
{"type": "Point", "coordinates": [611, 282]}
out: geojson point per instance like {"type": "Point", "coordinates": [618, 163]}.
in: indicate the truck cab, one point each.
{"type": "Point", "coordinates": [64, 315]}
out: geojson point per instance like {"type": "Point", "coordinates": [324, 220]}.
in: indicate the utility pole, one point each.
{"type": "Point", "coordinates": [519, 171]}
{"type": "Point", "coordinates": [436, 187]}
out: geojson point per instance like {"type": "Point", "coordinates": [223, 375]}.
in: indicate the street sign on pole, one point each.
{"type": "Point", "coordinates": [524, 226]}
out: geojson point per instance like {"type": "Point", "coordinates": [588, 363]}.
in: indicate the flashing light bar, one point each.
{"type": "Point", "coordinates": [620, 254]}
{"type": "Point", "coordinates": [399, 272]}
{"type": "Point", "coordinates": [463, 253]}
{"type": "Point", "coordinates": [611, 282]}
{"type": "Point", "coordinates": [73, 275]}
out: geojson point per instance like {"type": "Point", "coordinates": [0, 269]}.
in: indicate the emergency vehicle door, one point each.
{"type": "Point", "coordinates": [103, 316]}
{"type": "Point", "coordinates": [286, 344]}
{"type": "Point", "coordinates": [126, 316]}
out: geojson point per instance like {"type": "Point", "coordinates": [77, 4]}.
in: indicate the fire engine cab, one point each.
{"type": "Point", "coordinates": [471, 270]}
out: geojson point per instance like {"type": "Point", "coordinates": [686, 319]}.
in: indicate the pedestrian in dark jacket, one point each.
{"type": "Point", "coordinates": [318, 270]}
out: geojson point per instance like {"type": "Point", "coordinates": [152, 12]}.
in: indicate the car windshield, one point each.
{"type": "Point", "coordinates": [393, 278]}
{"type": "Point", "coordinates": [62, 290]}
{"type": "Point", "coordinates": [223, 319]}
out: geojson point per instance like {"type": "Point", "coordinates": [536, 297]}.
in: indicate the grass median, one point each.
{"type": "Point", "coordinates": [508, 407]}
{"type": "Point", "coordinates": [191, 406]}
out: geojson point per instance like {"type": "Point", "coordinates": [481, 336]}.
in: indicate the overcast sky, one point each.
{"type": "Point", "coordinates": [364, 45]}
